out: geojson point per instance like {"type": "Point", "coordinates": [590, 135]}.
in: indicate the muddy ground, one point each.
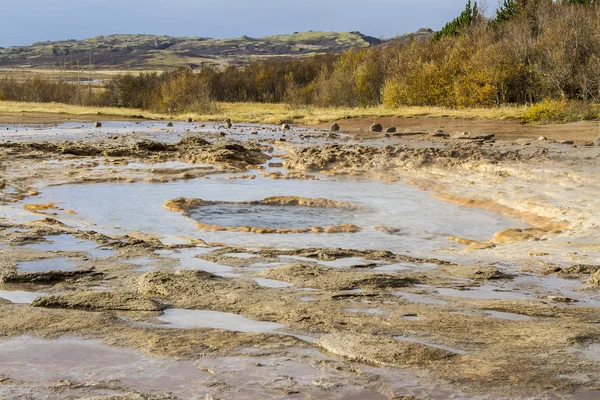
{"type": "Point", "coordinates": [513, 315]}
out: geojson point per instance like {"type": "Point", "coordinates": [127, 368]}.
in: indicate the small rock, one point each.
{"type": "Point", "coordinates": [97, 124]}
{"type": "Point", "coordinates": [439, 133]}
{"type": "Point", "coordinates": [190, 119]}
{"type": "Point", "coordinates": [561, 299]}
{"type": "Point", "coordinates": [170, 125]}
{"type": "Point", "coordinates": [473, 136]}
{"type": "Point", "coordinates": [568, 141]}
{"type": "Point", "coordinates": [542, 138]}
{"type": "Point", "coordinates": [334, 128]}
{"type": "Point", "coordinates": [223, 134]}
{"type": "Point", "coordinates": [285, 127]}
{"type": "Point", "coordinates": [596, 142]}
{"type": "Point", "coordinates": [376, 128]}
{"type": "Point", "coordinates": [390, 130]}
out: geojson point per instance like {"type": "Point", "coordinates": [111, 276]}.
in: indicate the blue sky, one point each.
{"type": "Point", "coordinates": [28, 21]}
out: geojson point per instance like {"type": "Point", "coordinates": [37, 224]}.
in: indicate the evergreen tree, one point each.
{"type": "Point", "coordinates": [464, 20]}
{"type": "Point", "coordinates": [506, 11]}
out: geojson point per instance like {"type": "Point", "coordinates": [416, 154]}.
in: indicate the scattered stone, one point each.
{"type": "Point", "coordinates": [276, 165]}
{"type": "Point", "coordinates": [334, 128]}
{"type": "Point", "coordinates": [376, 128]}
{"type": "Point", "coordinates": [390, 130]}
{"type": "Point", "coordinates": [567, 141]}
{"type": "Point", "coordinates": [285, 127]}
{"type": "Point", "coordinates": [97, 124]}
{"type": "Point", "coordinates": [562, 299]}
{"type": "Point", "coordinates": [472, 136]}
{"type": "Point", "coordinates": [170, 125]}
{"type": "Point", "coordinates": [542, 138]}
{"type": "Point", "coordinates": [190, 119]}
{"type": "Point", "coordinates": [439, 133]}
{"type": "Point", "coordinates": [596, 142]}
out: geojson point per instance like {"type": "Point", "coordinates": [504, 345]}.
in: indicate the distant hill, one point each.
{"type": "Point", "coordinates": [127, 52]}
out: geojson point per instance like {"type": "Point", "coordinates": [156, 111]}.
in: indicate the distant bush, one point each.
{"type": "Point", "coordinates": [45, 91]}
{"type": "Point", "coordinates": [548, 111]}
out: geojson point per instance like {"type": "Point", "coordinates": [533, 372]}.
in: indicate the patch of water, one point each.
{"type": "Point", "coordinates": [69, 243]}
{"type": "Point", "coordinates": [189, 261]}
{"type": "Point", "coordinates": [552, 285]}
{"type": "Point", "coordinates": [45, 362]}
{"type": "Point", "coordinates": [20, 297]}
{"type": "Point", "coordinates": [590, 352]}
{"type": "Point", "coordinates": [54, 264]}
{"type": "Point", "coordinates": [508, 316]}
{"type": "Point", "coordinates": [185, 319]}
{"type": "Point", "coordinates": [391, 204]}
{"type": "Point", "coordinates": [272, 283]}
{"type": "Point", "coordinates": [267, 216]}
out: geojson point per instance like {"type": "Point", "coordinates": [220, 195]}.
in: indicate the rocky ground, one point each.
{"type": "Point", "coordinates": [483, 319]}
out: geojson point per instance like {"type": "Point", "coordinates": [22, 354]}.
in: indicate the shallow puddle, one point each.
{"type": "Point", "coordinates": [508, 316]}
{"type": "Point", "coordinates": [485, 292]}
{"type": "Point", "coordinates": [177, 318]}
{"type": "Point", "coordinates": [69, 243]}
{"type": "Point", "coordinates": [394, 205]}
{"type": "Point", "coordinates": [20, 297]}
{"type": "Point", "coordinates": [49, 361]}
{"type": "Point", "coordinates": [590, 352]}
{"type": "Point", "coordinates": [266, 216]}
{"type": "Point", "coordinates": [54, 264]}
{"type": "Point", "coordinates": [272, 283]}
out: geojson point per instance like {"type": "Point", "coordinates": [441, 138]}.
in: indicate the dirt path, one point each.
{"type": "Point", "coordinates": [580, 132]}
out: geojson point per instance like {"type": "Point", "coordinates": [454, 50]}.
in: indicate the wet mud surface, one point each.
{"type": "Point", "coordinates": [143, 261]}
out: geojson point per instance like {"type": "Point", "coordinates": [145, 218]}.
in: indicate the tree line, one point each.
{"type": "Point", "coordinates": [530, 51]}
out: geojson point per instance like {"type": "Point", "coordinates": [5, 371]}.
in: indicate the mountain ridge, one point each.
{"type": "Point", "coordinates": [150, 52]}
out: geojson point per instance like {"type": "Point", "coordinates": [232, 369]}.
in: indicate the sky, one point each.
{"type": "Point", "coordinates": [28, 21]}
